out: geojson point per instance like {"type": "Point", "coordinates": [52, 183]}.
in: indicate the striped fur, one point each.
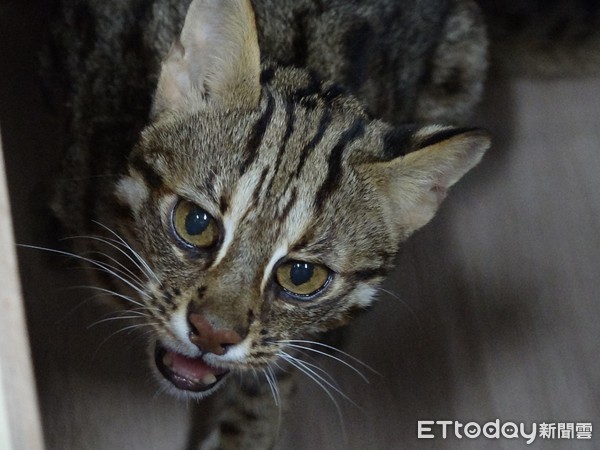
{"type": "Point", "coordinates": [301, 154]}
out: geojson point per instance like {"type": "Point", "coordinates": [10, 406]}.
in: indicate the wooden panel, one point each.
{"type": "Point", "coordinates": [19, 418]}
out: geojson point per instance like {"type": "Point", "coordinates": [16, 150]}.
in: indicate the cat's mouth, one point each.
{"type": "Point", "coordinates": [185, 373]}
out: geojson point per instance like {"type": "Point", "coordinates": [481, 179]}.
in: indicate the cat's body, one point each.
{"type": "Point", "coordinates": [265, 201]}
{"type": "Point", "coordinates": [548, 38]}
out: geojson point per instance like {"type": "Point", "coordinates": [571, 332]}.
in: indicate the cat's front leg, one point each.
{"type": "Point", "coordinates": [250, 412]}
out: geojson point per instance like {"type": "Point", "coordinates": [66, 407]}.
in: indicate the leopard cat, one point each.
{"type": "Point", "coordinates": [246, 171]}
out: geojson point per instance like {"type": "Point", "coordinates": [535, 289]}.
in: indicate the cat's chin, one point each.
{"type": "Point", "coordinates": [188, 376]}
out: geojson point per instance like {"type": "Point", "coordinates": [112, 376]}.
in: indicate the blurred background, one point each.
{"type": "Point", "coordinates": [492, 313]}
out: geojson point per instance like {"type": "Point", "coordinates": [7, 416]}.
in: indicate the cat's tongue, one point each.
{"type": "Point", "coordinates": [191, 368]}
{"type": "Point", "coordinates": [190, 374]}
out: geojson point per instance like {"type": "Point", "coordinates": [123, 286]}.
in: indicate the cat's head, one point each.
{"type": "Point", "coordinates": [267, 204]}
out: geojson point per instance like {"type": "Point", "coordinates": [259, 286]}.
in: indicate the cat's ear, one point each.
{"type": "Point", "coordinates": [216, 59]}
{"type": "Point", "coordinates": [415, 184]}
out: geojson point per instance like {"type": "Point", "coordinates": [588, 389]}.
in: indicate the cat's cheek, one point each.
{"type": "Point", "coordinates": [180, 328]}
{"type": "Point", "coordinates": [364, 295]}
{"type": "Point", "coordinates": [132, 192]}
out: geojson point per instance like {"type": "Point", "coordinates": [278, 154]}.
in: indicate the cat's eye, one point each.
{"type": "Point", "coordinates": [302, 279]}
{"type": "Point", "coordinates": [194, 225]}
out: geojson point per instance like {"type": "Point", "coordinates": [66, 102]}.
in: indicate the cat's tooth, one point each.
{"type": "Point", "coordinates": [209, 379]}
{"type": "Point", "coordinates": [168, 360]}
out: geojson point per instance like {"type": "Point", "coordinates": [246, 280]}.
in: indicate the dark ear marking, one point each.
{"type": "Point", "coordinates": [444, 135]}
{"type": "Point", "coordinates": [416, 183]}
{"type": "Point", "coordinates": [398, 141]}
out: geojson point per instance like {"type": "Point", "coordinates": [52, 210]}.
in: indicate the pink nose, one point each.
{"type": "Point", "coordinates": [208, 339]}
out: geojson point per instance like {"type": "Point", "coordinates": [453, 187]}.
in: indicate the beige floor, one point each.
{"type": "Point", "coordinates": [494, 311]}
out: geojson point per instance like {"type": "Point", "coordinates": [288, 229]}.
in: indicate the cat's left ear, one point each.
{"type": "Point", "coordinates": [217, 58]}
{"type": "Point", "coordinates": [414, 185]}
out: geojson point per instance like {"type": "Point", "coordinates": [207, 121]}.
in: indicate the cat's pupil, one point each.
{"type": "Point", "coordinates": [301, 273]}
{"type": "Point", "coordinates": [196, 221]}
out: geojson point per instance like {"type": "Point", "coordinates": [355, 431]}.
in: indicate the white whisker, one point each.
{"type": "Point", "coordinates": [124, 243]}
{"type": "Point", "coordinates": [122, 273]}
{"type": "Point", "coordinates": [404, 303]}
{"type": "Point", "coordinates": [335, 358]}
{"type": "Point", "coordinates": [330, 347]}
{"type": "Point", "coordinates": [315, 366]}
{"type": "Point", "coordinates": [318, 381]}
{"type": "Point", "coordinates": [272, 381]}
{"type": "Point", "coordinates": [114, 294]}
{"type": "Point", "coordinates": [113, 319]}
{"type": "Point", "coordinates": [128, 328]}
{"type": "Point", "coordinates": [122, 269]}
{"type": "Point", "coordinates": [98, 264]}
{"type": "Point", "coordinates": [307, 369]}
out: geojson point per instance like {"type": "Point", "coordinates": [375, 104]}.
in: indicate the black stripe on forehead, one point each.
{"type": "Point", "coordinates": [289, 129]}
{"type": "Point", "coordinates": [259, 185]}
{"type": "Point", "coordinates": [334, 172]}
{"type": "Point", "coordinates": [288, 207]}
{"type": "Point", "coordinates": [148, 172]}
{"type": "Point", "coordinates": [258, 132]}
{"type": "Point", "coordinates": [308, 149]}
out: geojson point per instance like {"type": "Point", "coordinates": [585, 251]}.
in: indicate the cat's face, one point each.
{"type": "Point", "coordinates": [267, 212]}
{"type": "Point", "coordinates": [263, 229]}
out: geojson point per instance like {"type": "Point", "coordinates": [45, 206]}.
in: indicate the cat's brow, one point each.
{"type": "Point", "coordinates": [279, 253]}
{"type": "Point", "coordinates": [241, 203]}
{"type": "Point", "coordinates": [229, 229]}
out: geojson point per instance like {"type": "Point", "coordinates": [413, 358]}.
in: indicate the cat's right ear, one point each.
{"type": "Point", "coordinates": [414, 185]}
{"type": "Point", "coordinates": [216, 60]}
